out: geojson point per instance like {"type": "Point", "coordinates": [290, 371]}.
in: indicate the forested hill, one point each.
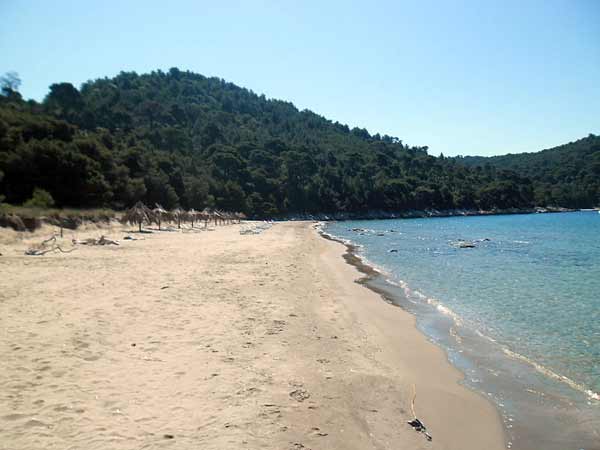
{"type": "Point", "coordinates": [567, 175]}
{"type": "Point", "coordinates": [179, 138]}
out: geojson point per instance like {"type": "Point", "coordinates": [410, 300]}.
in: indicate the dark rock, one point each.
{"type": "Point", "coordinates": [14, 222]}
{"type": "Point", "coordinates": [70, 223]}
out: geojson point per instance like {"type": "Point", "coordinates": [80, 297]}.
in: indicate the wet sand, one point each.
{"type": "Point", "coordinates": [217, 340]}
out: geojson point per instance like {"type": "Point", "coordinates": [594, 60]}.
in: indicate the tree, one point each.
{"type": "Point", "coordinates": [10, 83]}
{"type": "Point", "coordinates": [196, 192]}
{"type": "Point", "coordinates": [158, 190]}
{"type": "Point", "coordinates": [63, 100]}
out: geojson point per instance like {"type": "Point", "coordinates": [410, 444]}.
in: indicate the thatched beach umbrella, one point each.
{"type": "Point", "coordinates": [139, 214]}
{"type": "Point", "coordinates": [160, 214]}
{"type": "Point", "coordinates": [193, 215]}
{"type": "Point", "coordinates": [206, 216]}
{"type": "Point", "coordinates": [218, 217]}
{"type": "Point", "coordinates": [179, 215]}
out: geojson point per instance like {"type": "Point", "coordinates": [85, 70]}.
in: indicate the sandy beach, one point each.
{"type": "Point", "coordinates": [217, 340]}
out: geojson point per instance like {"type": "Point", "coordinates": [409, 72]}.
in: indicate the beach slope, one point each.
{"type": "Point", "coordinates": [217, 340]}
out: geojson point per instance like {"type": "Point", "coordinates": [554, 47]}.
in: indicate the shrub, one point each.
{"type": "Point", "coordinates": [39, 199]}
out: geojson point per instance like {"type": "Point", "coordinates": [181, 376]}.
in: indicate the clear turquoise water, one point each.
{"type": "Point", "coordinates": [533, 287]}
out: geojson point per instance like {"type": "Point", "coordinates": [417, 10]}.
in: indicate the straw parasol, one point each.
{"type": "Point", "coordinates": [206, 216]}
{"type": "Point", "coordinates": [217, 216]}
{"type": "Point", "coordinates": [180, 215]}
{"type": "Point", "coordinates": [160, 214]}
{"type": "Point", "coordinates": [193, 215]}
{"type": "Point", "coordinates": [139, 214]}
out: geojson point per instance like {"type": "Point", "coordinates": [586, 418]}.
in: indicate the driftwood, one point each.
{"type": "Point", "coordinates": [255, 229]}
{"type": "Point", "coordinates": [416, 423]}
{"type": "Point", "coordinates": [100, 241]}
{"type": "Point", "coordinates": [47, 246]}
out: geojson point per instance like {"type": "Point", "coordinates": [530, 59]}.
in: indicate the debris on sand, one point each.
{"type": "Point", "coordinates": [416, 423]}
{"type": "Point", "coordinates": [300, 395]}
{"type": "Point", "coordinates": [418, 426]}
{"type": "Point", "coordinates": [256, 229]}
{"type": "Point", "coordinates": [48, 246]}
{"type": "Point", "coordinates": [103, 240]}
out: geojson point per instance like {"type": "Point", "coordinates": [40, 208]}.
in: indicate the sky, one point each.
{"type": "Point", "coordinates": [477, 77]}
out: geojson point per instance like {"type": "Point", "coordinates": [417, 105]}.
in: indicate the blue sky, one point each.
{"type": "Point", "coordinates": [464, 77]}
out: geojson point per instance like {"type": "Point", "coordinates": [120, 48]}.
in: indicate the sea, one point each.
{"type": "Point", "coordinates": [515, 302]}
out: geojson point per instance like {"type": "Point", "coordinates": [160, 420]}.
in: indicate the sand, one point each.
{"type": "Point", "coordinates": [216, 340]}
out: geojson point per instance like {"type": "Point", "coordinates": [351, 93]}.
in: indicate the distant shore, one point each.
{"type": "Point", "coordinates": [424, 213]}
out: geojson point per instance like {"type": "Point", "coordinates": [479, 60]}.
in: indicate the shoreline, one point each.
{"type": "Point", "coordinates": [526, 429]}
{"type": "Point", "coordinates": [369, 280]}
{"type": "Point", "coordinates": [480, 408]}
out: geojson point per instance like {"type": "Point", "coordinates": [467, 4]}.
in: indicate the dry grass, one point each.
{"type": "Point", "coordinates": [87, 214]}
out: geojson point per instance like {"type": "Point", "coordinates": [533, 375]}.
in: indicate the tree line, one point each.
{"type": "Point", "coordinates": [180, 139]}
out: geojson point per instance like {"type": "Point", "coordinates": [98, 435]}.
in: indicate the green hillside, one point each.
{"type": "Point", "coordinates": [180, 138]}
{"type": "Point", "coordinates": [567, 175]}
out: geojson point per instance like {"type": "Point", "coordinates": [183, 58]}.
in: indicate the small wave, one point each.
{"type": "Point", "coordinates": [454, 333]}
{"type": "Point", "coordinates": [405, 289]}
{"type": "Point", "coordinates": [322, 232]}
{"type": "Point", "coordinates": [395, 283]}
{"type": "Point", "coordinates": [457, 319]}
{"type": "Point", "coordinates": [485, 336]}
{"type": "Point", "coordinates": [551, 374]}
{"type": "Point", "coordinates": [363, 259]}
{"type": "Point", "coordinates": [358, 247]}
{"type": "Point", "coordinates": [445, 310]}
{"type": "Point", "coordinates": [414, 294]}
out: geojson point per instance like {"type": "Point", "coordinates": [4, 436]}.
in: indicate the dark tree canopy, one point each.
{"type": "Point", "coordinates": [567, 175]}
{"type": "Point", "coordinates": [182, 139]}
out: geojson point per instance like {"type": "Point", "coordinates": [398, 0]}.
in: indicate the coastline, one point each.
{"type": "Point", "coordinates": [221, 340]}
{"type": "Point", "coordinates": [528, 423]}
{"type": "Point", "coordinates": [425, 213]}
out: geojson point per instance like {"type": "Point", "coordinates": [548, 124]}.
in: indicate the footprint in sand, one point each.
{"type": "Point", "coordinates": [278, 327]}
{"type": "Point", "coordinates": [298, 446]}
{"type": "Point", "coordinates": [317, 432]}
{"type": "Point", "coordinates": [300, 394]}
